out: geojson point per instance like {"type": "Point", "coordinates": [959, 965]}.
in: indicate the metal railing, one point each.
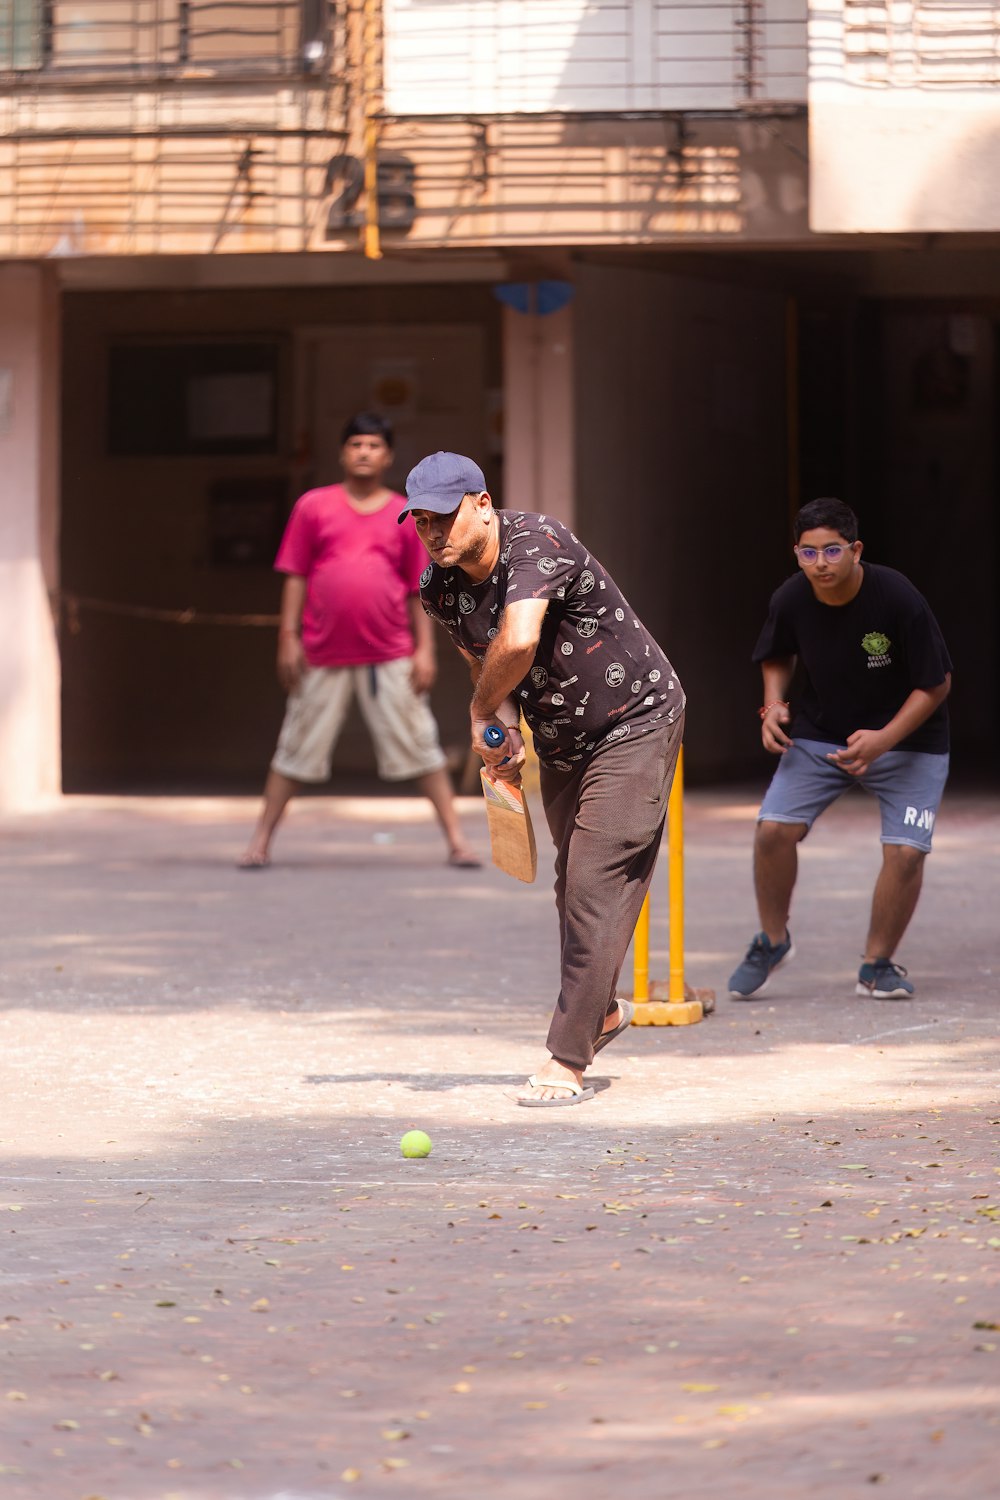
{"type": "Point", "coordinates": [91, 40]}
{"type": "Point", "coordinates": [482, 57]}
{"type": "Point", "coordinates": [928, 44]}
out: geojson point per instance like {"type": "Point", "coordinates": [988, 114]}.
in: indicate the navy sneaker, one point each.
{"type": "Point", "coordinates": [883, 980]}
{"type": "Point", "coordinates": [762, 959]}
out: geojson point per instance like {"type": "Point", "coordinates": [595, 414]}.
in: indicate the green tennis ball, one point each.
{"type": "Point", "coordinates": [415, 1143]}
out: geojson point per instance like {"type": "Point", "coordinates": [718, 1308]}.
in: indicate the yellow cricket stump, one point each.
{"type": "Point", "coordinates": [680, 1005]}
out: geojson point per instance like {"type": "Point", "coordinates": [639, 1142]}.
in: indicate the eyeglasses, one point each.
{"type": "Point", "coordinates": [833, 553]}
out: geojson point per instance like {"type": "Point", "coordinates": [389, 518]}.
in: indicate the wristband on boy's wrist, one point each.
{"type": "Point", "coordinates": [777, 703]}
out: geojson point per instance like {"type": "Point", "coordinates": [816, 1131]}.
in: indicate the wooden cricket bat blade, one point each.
{"type": "Point", "coordinates": [512, 838]}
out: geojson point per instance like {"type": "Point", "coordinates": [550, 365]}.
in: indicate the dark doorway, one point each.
{"type": "Point", "coordinates": [190, 423]}
{"type": "Point", "coordinates": [918, 427]}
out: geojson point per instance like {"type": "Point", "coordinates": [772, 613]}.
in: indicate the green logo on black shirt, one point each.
{"type": "Point", "coordinates": [877, 644]}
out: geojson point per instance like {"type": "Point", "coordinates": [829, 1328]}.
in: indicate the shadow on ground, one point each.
{"type": "Point", "coordinates": [763, 1262]}
{"type": "Point", "coordinates": [787, 1307]}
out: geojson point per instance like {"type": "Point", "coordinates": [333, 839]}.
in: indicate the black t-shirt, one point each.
{"type": "Point", "coordinates": [860, 661]}
{"type": "Point", "coordinates": [598, 675]}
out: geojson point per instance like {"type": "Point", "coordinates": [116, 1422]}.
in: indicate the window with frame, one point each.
{"type": "Point", "coordinates": [77, 38]}
{"type": "Point", "coordinates": [21, 34]}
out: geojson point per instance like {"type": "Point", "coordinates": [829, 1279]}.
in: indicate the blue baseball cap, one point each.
{"type": "Point", "coordinates": [439, 483]}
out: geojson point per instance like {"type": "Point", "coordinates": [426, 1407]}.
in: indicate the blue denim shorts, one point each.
{"type": "Point", "coordinates": [909, 785]}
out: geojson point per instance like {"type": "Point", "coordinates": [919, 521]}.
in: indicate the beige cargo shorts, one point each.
{"type": "Point", "coordinates": [403, 730]}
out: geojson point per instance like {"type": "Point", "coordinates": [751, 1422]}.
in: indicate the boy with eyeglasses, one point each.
{"type": "Point", "coordinates": [870, 709]}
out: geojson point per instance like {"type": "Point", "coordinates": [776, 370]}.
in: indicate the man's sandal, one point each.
{"type": "Point", "coordinates": [577, 1094]}
{"type": "Point", "coordinates": [628, 1011]}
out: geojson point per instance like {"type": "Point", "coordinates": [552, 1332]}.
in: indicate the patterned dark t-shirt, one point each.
{"type": "Point", "coordinates": [598, 674]}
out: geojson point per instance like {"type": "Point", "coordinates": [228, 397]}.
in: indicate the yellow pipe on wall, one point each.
{"type": "Point", "coordinates": [372, 237]}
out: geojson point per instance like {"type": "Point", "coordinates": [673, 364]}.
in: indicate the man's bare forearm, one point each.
{"type": "Point", "coordinates": [777, 677]}
{"type": "Point", "coordinates": [420, 624]}
{"type": "Point", "coordinates": [293, 599]}
{"type": "Point", "coordinates": [915, 711]}
{"type": "Point", "coordinates": [503, 667]}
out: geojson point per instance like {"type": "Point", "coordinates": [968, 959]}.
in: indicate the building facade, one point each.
{"type": "Point", "coordinates": [668, 268]}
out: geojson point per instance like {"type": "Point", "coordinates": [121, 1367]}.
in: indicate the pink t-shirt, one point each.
{"type": "Point", "coordinates": [360, 572]}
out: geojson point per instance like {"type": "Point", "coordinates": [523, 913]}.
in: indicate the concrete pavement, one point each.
{"type": "Point", "coordinates": [763, 1262]}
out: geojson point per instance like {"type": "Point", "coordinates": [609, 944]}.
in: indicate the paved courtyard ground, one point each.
{"type": "Point", "coordinates": [763, 1262]}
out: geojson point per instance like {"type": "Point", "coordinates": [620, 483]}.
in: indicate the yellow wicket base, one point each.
{"type": "Point", "coordinates": [667, 1012]}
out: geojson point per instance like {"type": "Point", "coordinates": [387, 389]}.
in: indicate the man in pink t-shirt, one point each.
{"type": "Point", "coordinates": [352, 623]}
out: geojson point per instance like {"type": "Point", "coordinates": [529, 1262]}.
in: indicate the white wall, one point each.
{"type": "Point", "coordinates": [539, 399]}
{"type": "Point", "coordinates": [497, 56]}
{"type": "Point", "coordinates": [904, 117]}
{"type": "Point", "coordinates": [29, 662]}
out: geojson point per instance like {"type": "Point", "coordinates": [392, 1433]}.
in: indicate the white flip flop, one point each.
{"type": "Point", "coordinates": [578, 1094]}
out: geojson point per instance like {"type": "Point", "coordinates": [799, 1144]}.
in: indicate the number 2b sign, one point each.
{"type": "Point", "coordinates": [345, 180]}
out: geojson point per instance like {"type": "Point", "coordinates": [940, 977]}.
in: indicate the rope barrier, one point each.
{"type": "Point", "coordinates": [73, 604]}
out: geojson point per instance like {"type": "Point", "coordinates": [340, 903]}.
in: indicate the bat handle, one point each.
{"type": "Point", "coordinates": [494, 737]}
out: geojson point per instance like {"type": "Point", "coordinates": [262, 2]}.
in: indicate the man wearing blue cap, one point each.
{"type": "Point", "coordinates": [548, 634]}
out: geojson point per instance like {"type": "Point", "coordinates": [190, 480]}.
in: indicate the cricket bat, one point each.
{"type": "Point", "coordinates": [512, 838]}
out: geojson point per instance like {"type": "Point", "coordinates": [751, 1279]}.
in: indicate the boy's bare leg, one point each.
{"type": "Point", "coordinates": [775, 867]}
{"type": "Point", "coordinates": [437, 786]}
{"type": "Point", "coordinates": [897, 891]}
{"type": "Point", "coordinates": [278, 792]}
